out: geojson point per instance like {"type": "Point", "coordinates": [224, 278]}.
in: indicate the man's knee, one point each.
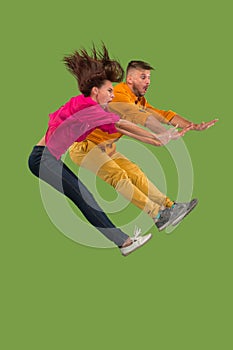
{"type": "Point", "coordinates": [114, 177]}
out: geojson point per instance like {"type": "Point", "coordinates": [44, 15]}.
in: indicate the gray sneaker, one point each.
{"type": "Point", "coordinates": [191, 206]}
{"type": "Point", "coordinates": [172, 216]}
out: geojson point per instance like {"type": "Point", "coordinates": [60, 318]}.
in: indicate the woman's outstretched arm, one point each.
{"type": "Point", "coordinates": [130, 129]}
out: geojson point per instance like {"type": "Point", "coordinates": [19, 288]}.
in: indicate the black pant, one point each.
{"type": "Point", "coordinates": [54, 172]}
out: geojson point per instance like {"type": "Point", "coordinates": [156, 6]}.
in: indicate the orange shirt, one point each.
{"type": "Point", "coordinates": [136, 109]}
{"type": "Point", "coordinates": [98, 136]}
{"type": "Point", "coordinates": [129, 107]}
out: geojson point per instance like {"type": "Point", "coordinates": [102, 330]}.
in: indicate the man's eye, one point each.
{"type": "Point", "coordinates": [143, 77]}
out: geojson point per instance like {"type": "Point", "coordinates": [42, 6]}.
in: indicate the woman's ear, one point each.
{"type": "Point", "coordinates": [94, 91]}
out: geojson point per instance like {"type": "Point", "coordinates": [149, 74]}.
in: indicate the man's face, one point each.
{"type": "Point", "coordinates": [138, 80]}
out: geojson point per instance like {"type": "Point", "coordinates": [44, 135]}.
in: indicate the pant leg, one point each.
{"type": "Point", "coordinates": [91, 157]}
{"type": "Point", "coordinates": [43, 165]}
{"type": "Point", "coordinates": [139, 179]}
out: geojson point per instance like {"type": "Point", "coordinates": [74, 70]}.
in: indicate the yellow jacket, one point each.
{"type": "Point", "coordinates": [129, 107]}
{"type": "Point", "coordinates": [136, 109]}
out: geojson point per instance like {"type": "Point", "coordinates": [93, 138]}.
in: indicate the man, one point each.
{"type": "Point", "coordinates": [129, 102]}
{"type": "Point", "coordinates": [98, 154]}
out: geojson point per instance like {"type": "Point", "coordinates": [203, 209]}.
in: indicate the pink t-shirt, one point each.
{"type": "Point", "coordinates": [75, 121]}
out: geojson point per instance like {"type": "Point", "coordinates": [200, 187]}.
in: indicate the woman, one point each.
{"type": "Point", "coordinates": [70, 123]}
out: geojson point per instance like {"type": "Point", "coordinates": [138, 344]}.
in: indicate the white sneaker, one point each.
{"type": "Point", "coordinates": [138, 241]}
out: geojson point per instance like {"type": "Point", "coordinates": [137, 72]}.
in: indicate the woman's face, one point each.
{"type": "Point", "coordinates": [104, 94]}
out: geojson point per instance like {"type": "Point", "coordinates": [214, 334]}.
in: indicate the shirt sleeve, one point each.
{"type": "Point", "coordinates": [160, 114]}
{"type": "Point", "coordinates": [130, 111]}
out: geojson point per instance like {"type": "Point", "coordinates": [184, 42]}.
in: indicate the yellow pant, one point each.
{"type": "Point", "coordinates": [118, 171]}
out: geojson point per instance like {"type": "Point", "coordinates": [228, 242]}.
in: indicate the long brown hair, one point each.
{"type": "Point", "coordinates": [92, 70]}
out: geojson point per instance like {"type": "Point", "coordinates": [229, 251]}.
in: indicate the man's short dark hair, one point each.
{"type": "Point", "coordinates": [138, 65]}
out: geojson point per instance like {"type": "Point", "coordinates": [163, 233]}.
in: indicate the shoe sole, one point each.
{"type": "Point", "coordinates": [192, 206]}
{"type": "Point", "coordinates": [126, 254]}
{"type": "Point", "coordinates": [181, 217]}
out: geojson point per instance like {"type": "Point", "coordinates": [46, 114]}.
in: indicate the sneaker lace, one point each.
{"type": "Point", "coordinates": [137, 232]}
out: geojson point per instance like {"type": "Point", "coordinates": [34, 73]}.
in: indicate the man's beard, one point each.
{"type": "Point", "coordinates": [136, 91]}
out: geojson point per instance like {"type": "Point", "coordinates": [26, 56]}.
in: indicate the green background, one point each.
{"type": "Point", "coordinates": [174, 293]}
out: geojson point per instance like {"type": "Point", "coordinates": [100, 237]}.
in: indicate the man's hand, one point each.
{"type": "Point", "coordinates": [192, 126]}
{"type": "Point", "coordinates": [203, 125]}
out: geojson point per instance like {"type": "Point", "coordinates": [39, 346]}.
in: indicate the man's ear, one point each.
{"type": "Point", "coordinates": [129, 80]}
